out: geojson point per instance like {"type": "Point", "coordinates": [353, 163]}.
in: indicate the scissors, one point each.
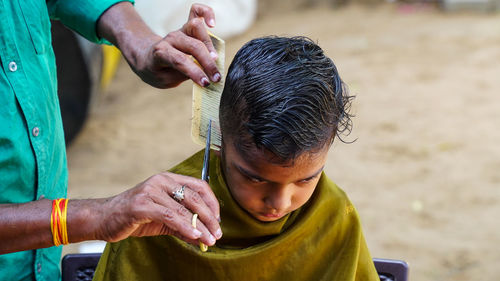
{"type": "Point", "coordinates": [206, 158]}
{"type": "Point", "coordinates": [204, 175]}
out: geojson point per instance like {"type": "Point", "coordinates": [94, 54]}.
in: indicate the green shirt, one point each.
{"type": "Point", "coordinates": [32, 149]}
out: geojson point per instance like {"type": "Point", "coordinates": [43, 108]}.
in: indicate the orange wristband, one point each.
{"type": "Point", "coordinates": [53, 224]}
{"type": "Point", "coordinates": [58, 224]}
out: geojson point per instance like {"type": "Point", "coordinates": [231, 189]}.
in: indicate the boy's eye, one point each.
{"type": "Point", "coordinates": [308, 179]}
{"type": "Point", "coordinates": [252, 179]}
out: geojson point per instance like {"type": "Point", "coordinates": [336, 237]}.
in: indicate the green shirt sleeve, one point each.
{"type": "Point", "coordinates": [81, 15]}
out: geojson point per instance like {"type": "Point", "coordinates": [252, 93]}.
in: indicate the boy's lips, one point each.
{"type": "Point", "coordinates": [271, 215]}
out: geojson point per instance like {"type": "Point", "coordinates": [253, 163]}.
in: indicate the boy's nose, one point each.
{"type": "Point", "coordinates": [280, 200]}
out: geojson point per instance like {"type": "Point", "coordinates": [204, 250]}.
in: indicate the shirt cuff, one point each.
{"type": "Point", "coordinates": [82, 16]}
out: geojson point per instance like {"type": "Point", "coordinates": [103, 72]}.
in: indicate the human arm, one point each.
{"type": "Point", "coordinates": [161, 62]}
{"type": "Point", "coordinates": [145, 210]}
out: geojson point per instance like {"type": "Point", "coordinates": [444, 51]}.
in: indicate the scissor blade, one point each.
{"type": "Point", "coordinates": [206, 157]}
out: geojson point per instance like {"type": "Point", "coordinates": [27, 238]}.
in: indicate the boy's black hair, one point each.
{"type": "Point", "coordinates": [284, 95]}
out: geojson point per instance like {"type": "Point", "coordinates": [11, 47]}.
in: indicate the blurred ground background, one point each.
{"type": "Point", "coordinates": [424, 169]}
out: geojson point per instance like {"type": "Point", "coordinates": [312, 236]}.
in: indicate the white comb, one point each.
{"type": "Point", "coordinates": [206, 102]}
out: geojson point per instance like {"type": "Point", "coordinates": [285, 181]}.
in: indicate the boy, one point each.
{"type": "Point", "coordinates": [282, 218]}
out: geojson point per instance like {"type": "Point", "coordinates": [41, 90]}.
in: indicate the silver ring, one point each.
{"type": "Point", "coordinates": [179, 194]}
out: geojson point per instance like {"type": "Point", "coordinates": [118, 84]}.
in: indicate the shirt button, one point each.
{"type": "Point", "coordinates": [36, 131]}
{"type": "Point", "coordinates": [39, 267]}
{"type": "Point", "coordinates": [12, 66]}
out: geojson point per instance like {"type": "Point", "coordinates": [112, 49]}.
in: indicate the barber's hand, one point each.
{"type": "Point", "coordinates": [150, 209]}
{"type": "Point", "coordinates": [168, 61]}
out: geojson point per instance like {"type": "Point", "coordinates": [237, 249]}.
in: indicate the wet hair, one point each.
{"type": "Point", "coordinates": [283, 95]}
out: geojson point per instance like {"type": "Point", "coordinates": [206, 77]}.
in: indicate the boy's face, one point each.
{"type": "Point", "coordinates": [266, 190]}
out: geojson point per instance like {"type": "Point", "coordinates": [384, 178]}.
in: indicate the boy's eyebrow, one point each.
{"type": "Point", "coordinates": [247, 173]}
{"type": "Point", "coordinates": [315, 174]}
{"type": "Point", "coordinates": [251, 175]}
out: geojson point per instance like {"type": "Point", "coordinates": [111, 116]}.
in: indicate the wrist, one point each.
{"type": "Point", "coordinates": [84, 219]}
{"type": "Point", "coordinates": [122, 26]}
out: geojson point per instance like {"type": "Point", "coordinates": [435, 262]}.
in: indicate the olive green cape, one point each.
{"type": "Point", "coordinates": [322, 240]}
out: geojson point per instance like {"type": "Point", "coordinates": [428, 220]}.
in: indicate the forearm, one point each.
{"type": "Point", "coordinates": [27, 226]}
{"type": "Point", "coordinates": [145, 210]}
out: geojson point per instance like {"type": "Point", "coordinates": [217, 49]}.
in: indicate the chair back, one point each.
{"type": "Point", "coordinates": [81, 267]}
{"type": "Point", "coordinates": [391, 270]}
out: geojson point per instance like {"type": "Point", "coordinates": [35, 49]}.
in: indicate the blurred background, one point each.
{"type": "Point", "coordinates": [424, 169]}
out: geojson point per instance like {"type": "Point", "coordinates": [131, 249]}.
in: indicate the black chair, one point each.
{"type": "Point", "coordinates": [81, 267]}
{"type": "Point", "coordinates": [391, 270]}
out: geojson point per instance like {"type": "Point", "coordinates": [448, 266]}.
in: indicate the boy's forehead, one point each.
{"type": "Point", "coordinates": [255, 156]}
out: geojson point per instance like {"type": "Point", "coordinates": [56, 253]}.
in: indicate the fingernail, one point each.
{"type": "Point", "coordinates": [218, 219]}
{"type": "Point", "coordinates": [216, 77]}
{"type": "Point", "coordinates": [211, 239]}
{"type": "Point", "coordinates": [214, 55]}
{"type": "Point", "coordinates": [211, 22]}
{"type": "Point", "coordinates": [218, 233]}
{"type": "Point", "coordinates": [205, 82]}
{"type": "Point", "coordinates": [197, 233]}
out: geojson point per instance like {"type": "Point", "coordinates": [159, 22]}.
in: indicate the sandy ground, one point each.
{"type": "Point", "coordinates": [424, 170]}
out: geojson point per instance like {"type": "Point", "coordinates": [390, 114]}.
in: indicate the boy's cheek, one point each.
{"type": "Point", "coordinates": [246, 193]}
{"type": "Point", "coordinates": [248, 197]}
{"type": "Point", "coordinates": [305, 193]}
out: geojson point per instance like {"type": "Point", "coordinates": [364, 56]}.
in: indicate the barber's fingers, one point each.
{"type": "Point", "coordinates": [196, 28]}
{"type": "Point", "coordinates": [194, 41]}
{"type": "Point", "coordinates": [194, 201]}
{"type": "Point", "coordinates": [177, 50]}
{"type": "Point", "coordinates": [199, 186]}
{"type": "Point", "coordinates": [178, 219]}
{"type": "Point", "coordinates": [195, 242]}
{"type": "Point", "coordinates": [202, 11]}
